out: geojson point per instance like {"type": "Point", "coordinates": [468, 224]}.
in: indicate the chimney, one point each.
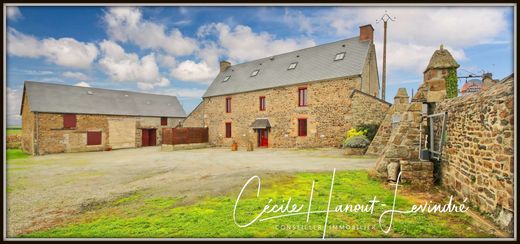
{"type": "Point", "coordinates": [366, 33]}
{"type": "Point", "coordinates": [487, 79]}
{"type": "Point", "coordinates": [224, 65]}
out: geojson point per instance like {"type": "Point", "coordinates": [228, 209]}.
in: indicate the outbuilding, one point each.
{"type": "Point", "coordinates": [63, 118]}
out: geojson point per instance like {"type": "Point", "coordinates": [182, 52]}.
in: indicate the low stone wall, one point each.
{"type": "Point", "coordinates": [478, 157]}
{"type": "Point", "coordinates": [418, 173]}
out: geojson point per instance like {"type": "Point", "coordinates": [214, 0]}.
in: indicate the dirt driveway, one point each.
{"type": "Point", "coordinates": [43, 191]}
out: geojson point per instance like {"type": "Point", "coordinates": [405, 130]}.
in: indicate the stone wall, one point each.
{"type": "Point", "coordinates": [478, 158]}
{"type": "Point", "coordinates": [196, 117]}
{"type": "Point", "coordinates": [50, 137]}
{"type": "Point", "coordinates": [328, 113]}
{"type": "Point", "coordinates": [403, 143]}
{"type": "Point", "coordinates": [27, 127]}
{"type": "Point", "coordinates": [367, 109]}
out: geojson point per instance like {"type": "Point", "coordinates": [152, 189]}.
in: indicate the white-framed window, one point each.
{"type": "Point", "coordinates": [339, 56]}
{"type": "Point", "coordinates": [226, 78]}
{"type": "Point", "coordinates": [292, 66]}
{"type": "Point", "coordinates": [255, 72]}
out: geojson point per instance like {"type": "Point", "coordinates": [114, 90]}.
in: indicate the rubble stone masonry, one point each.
{"type": "Point", "coordinates": [333, 108]}
{"type": "Point", "coordinates": [478, 158]}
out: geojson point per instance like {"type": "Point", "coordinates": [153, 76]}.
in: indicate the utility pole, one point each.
{"type": "Point", "coordinates": [385, 18]}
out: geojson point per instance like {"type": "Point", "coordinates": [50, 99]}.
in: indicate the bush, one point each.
{"type": "Point", "coordinates": [354, 132]}
{"type": "Point", "coordinates": [371, 130]}
{"type": "Point", "coordinates": [359, 141]}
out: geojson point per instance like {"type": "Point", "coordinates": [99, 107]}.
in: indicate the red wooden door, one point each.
{"type": "Point", "coordinates": [145, 138]}
{"type": "Point", "coordinates": [153, 137]}
{"type": "Point", "coordinates": [263, 138]}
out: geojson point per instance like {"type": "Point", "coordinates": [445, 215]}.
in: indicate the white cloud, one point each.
{"type": "Point", "coordinates": [418, 31]}
{"type": "Point", "coordinates": [36, 72]}
{"type": "Point", "coordinates": [166, 60]}
{"type": "Point", "coordinates": [126, 24]}
{"type": "Point", "coordinates": [64, 51]}
{"type": "Point", "coordinates": [82, 84]}
{"type": "Point", "coordinates": [191, 71]}
{"type": "Point", "coordinates": [242, 44]}
{"type": "Point", "coordinates": [299, 20]}
{"type": "Point", "coordinates": [203, 71]}
{"type": "Point", "coordinates": [75, 75]}
{"type": "Point", "coordinates": [14, 102]}
{"type": "Point", "coordinates": [13, 13]}
{"type": "Point", "coordinates": [128, 67]}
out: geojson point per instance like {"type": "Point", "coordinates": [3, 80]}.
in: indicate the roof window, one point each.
{"type": "Point", "coordinates": [339, 56]}
{"type": "Point", "coordinates": [255, 72]}
{"type": "Point", "coordinates": [226, 78]}
{"type": "Point", "coordinates": [292, 66]}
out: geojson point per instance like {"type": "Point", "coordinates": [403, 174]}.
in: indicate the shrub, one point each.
{"type": "Point", "coordinates": [371, 130]}
{"type": "Point", "coordinates": [359, 141]}
{"type": "Point", "coordinates": [354, 132]}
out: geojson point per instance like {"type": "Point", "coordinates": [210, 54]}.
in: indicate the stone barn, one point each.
{"type": "Point", "coordinates": [62, 118]}
{"type": "Point", "coordinates": [304, 98]}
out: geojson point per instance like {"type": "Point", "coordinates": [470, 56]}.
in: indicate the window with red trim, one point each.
{"type": "Point", "coordinates": [164, 121]}
{"type": "Point", "coordinates": [228, 130]}
{"type": "Point", "coordinates": [262, 103]}
{"type": "Point", "coordinates": [69, 121]}
{"type": "Point", "coordinates": [302, 127]}
{"type": "Point", "coordinates": [93, 137]}
{"type": "Point", "coordinates": [302, 96]}
{"type": "Point", "coordinates": [228, 105]}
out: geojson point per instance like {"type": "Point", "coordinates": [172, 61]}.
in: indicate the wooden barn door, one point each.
{"type": "Point", "coordinates": [145, 138]}
{"type": "Point", "coordinates": [153, 137]}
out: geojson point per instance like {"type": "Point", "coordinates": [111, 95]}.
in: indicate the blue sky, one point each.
{"type": "Point", "coordinates": [175, 50]}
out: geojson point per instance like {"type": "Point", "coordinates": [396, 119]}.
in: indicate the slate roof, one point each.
{"type": "Point", "coordinates": [314, 64]}
{"type": "Point", "coordinates": [59, 98]}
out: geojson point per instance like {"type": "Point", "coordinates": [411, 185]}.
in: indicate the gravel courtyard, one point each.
{"type": "Point", "coordinates": [46, 190]}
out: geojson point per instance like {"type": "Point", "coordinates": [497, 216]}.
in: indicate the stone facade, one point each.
{"type": "Point", "coordinates": [43, 133]}
{"type": "Point", "coordinates": [329, 113]}
{"type": "Point", "coordinates": [391, 119]}
{"type": "Point", "coordinates": [478, 159]}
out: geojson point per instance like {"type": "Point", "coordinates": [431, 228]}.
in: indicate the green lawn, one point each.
{"type": "Point", "coordinates": [14, 131]}
{"type": "Point", "coordinates": [16, 154]}
{"type": "Point", "coordinates": [143, 215]}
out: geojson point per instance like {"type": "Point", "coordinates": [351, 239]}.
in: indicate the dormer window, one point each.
{"type": "Point", "coordinates": [255, 72]}
{"type": "Point", "coordinates": [226, 78]}
{"type": "Point", "coordinates": [339, 56]}
{"type": "Point", "coordinates": [292, 66]}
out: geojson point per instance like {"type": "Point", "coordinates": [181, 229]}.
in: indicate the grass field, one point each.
{"type": "Point", "coordinates": [14, 131]}
{"type": "Point", "coordinates": [16, 154]}
{"type": "Point", "coordinates": [143, 215]}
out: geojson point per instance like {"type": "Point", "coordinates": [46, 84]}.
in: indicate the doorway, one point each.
{"type": "Point", "coordinates": [149, 137]}
{"type": "Point", "coordinates": [263, 135]}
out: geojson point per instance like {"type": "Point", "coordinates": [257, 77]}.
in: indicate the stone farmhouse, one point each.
{"type": "Point", "coordinates": [305, 98]}
{"type": "Point", "coordinates": [62, 118]}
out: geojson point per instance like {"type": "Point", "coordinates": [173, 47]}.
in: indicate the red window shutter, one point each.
{"type": "Point", "coordinates": [228, 105]}
{"type": "Point", "coordinates": [93, 137]}
{"type": "Point", "coordinates": [228, 130]}
{"type": "Point", "coordinates": [262, 103]}
{"type": "Point", "coordinates": [302, 96]}
{"type": "Point", "coordinates": [69, 121]}
{"type": "Point", "coordinates": [302, 127]}
{"type": "Point", "coordinates": [164, 121]}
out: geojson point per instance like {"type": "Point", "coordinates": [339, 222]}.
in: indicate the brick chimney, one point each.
{"type": "Point", "coordinates": [224, 65]}
{"type": "Point", "coordinates": [366, 33]}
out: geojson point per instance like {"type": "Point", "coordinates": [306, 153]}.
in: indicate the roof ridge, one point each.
{"type": "Point", "coordinates": [97, 88]}
{"type": "Point", "coordinates": [299, 50]}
